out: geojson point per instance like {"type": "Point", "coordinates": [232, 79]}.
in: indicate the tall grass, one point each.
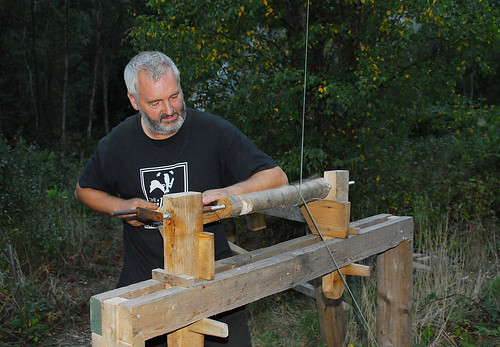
{"type": "Point", "coordinates": [456, 298]}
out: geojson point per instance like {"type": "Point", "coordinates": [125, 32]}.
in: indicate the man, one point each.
{"type": "Point", "coordinates": [168, 148]}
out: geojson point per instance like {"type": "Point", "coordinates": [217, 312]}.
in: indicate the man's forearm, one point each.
{"type": "Point", "coordinates": [106, 203]}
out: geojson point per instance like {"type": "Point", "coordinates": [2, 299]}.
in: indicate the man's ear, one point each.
{"type": "Point", "coordinates": [133, 101]}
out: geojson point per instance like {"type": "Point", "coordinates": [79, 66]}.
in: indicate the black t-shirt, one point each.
{"type": "Point", "coordinates": [206, 153]}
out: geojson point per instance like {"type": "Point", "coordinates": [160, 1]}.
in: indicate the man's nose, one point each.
{"type": "Point", "coordinates": [168, 109]}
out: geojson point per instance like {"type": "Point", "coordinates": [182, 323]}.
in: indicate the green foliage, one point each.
{"type": "Point", "coordinates": [378, 72]}
{"type": "Point", "coordinates": [49, 244]}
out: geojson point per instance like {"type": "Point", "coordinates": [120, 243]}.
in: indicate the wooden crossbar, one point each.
{"type": "Point", "coordinates": [236, 283]}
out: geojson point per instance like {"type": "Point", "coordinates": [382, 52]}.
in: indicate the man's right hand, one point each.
{"type": "Point", "coordinates": [132, 204]}
{"type": "Point", "coordinates": [105, 203]}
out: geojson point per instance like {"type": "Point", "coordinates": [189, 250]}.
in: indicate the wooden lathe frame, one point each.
{"type": "Point", "coordinates": [192, 287]}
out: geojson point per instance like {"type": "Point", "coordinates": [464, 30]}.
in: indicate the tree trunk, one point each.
{"type": "Point", "coordinates": [65, 78]}
{"type": "Point", "coordinates": [98, 22]}
{"type": "Point", "coordinates": [36, 73]}
{"type": "Point", "coordinates": [105, 83]}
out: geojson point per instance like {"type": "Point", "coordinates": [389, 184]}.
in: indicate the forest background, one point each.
{"type": "Point", "coordinates": [403, 94]}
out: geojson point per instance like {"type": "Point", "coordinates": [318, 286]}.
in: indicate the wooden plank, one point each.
{"type": "Point", "coordinates": [304, 288]}
{"type": "Point", "coordinates": [264, 253]}
{"type": "Point", "coordinates": [331, 217]}
{"type": "Point", "coordinates": [394, 296]}
{"type": "Point", "coordinates": [99, 341]}
{"type": "Point", "coordinates": [206, 255]}
{"type": "Point", "coordinates": [174, 308]}
{"type": "Point", "coordinates": [161, 275]}
{"type": "Point", "coordinates": [210, 327]}
{"type": "Point", "coordinates": [354, 227]}
{"type": "Point", "coordinates": [356, 270]}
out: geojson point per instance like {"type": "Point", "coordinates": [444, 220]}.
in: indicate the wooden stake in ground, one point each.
{"type": "Point", "coordinates": [330, 311]}
{"type": "Point", "coordinates": [394, 295]}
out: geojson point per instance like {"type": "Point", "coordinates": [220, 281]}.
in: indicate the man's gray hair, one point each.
{"type": "Point", "coordinates": [155, 64]}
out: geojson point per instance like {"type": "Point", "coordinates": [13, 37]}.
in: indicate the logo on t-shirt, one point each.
{"type": "Point", "coordinates": [158, 181]}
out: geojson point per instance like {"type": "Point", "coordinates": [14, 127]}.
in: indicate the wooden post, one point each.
{"type": "Point", "coordinates": [394, 296]}
{"type": "Point", "coordinates": [185, 245]}
{"type": "Point", "coordinates": [330, 311]}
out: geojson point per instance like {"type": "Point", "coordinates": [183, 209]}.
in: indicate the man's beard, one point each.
{"type": "Point", "coordinates": [169, 128]}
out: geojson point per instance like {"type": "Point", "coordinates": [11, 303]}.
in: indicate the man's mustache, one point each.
{"type": "Point", "coordinates": [164, 115]}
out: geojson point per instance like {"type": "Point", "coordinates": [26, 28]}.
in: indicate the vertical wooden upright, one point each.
{"type": "Point", "coordinates": [181, 233]}
{"type": "Point", "coordinates": [330, 311]}
{"type": "Point", "coordinates": [181, 245]}
{"type": "Point", "coordinates": [394, 296]}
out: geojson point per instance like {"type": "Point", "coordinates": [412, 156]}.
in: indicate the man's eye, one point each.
{"type": "Point", "coordinates": [154, 104]}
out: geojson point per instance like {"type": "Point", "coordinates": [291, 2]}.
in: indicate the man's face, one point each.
{"type": "Point", "coordinates": [161, 105]}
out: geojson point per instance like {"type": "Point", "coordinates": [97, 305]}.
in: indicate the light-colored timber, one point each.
{"type": "Point", "coordinates": [188, 291]}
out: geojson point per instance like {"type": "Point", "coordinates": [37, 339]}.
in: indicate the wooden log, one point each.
{"type": "Point", "coordinates": [331, 318]}
{"type": "Point", "coordinates": [272, 198]}
{"type": "Point", "coordinates": [168, 310]}
{"type": "Point", "coordinates": [394, 296]}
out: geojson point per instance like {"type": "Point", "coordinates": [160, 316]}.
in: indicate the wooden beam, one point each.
{"type": "Point", "coordinates": [394, 296]}
{"type": "Point", "coordinates": [265, 253]}
{"type": "Point", "coordinates": [170, 309]}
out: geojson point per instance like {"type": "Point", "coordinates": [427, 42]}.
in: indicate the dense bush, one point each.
{"type": "Point", "coordinates": [49, 243]}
